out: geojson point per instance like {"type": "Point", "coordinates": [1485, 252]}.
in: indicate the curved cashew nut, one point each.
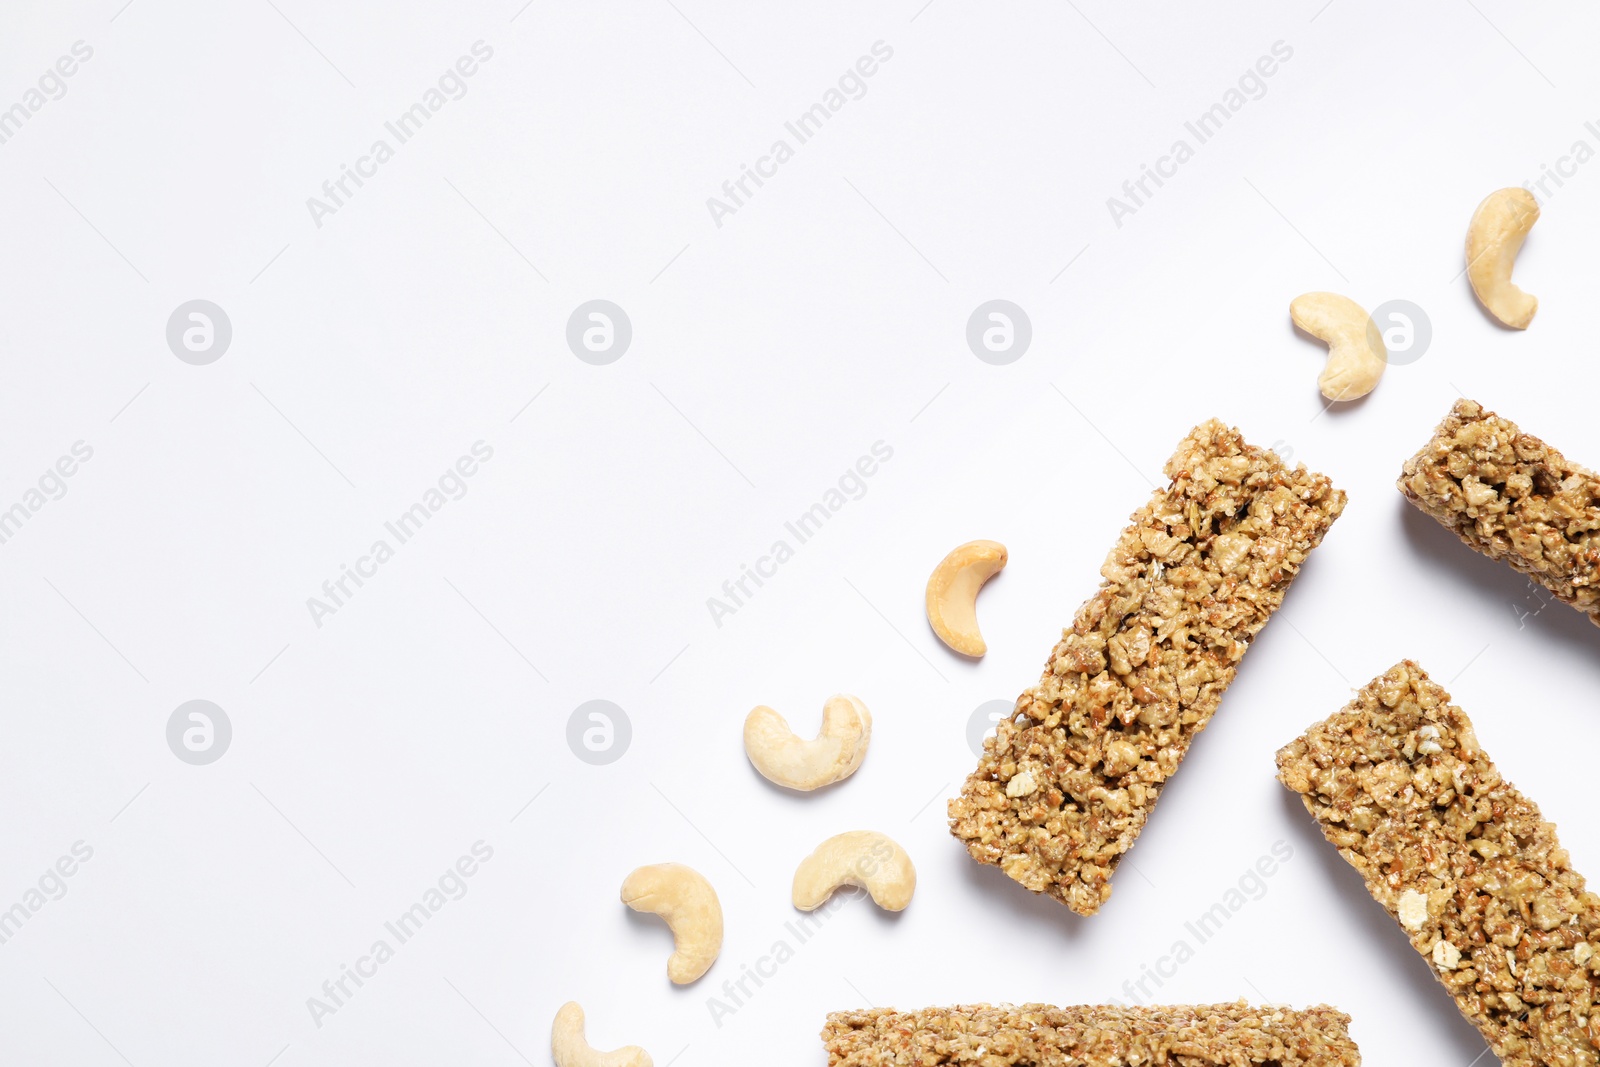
{"type": "Point", "coordinates": [832, 756]}
{"type": "Point", "coordinates": [571, 1049]}
{"type": "Point", "coordinates": [1494, 237]}
{"type": "Point", "coordinates": [952, 596]}
{"type": "Point", "coordinates": [1356, 355]}
{"type": "Point", "coordinates": [682, 897]}
{"type": "Point", "coordinates": [861, 858]}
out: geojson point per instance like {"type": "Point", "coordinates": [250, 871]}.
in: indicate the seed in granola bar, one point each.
{"type": "Point", "coordinates": [1413, 909]}
{"type": "Point", "coordinates": [1021, 785]}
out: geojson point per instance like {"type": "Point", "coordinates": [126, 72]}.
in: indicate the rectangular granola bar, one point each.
{"type": "Point", "coordinates": [1513, 498]}
{"type": "Point", "coordinates": [1038, 1035]}
{"type": "Point", "coordinates": [1462, 860]}
{"type": "Point", "coordinates": [1067, 782]}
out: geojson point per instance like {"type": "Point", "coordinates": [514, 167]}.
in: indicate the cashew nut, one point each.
{"type": "Point", "coordinates": [1494, 237]}
{"type": "Point", "coordinates": [687, 902]}
{"type": "Point", "coordinates": [571, 1049]}
{"type": "Point", "coordinates": [952, 597]}
{"type": "Point", "coordinates": [832, 756]}
{"type": "Point", "coordinates": [1356, 355]}
{"type": "Point", "coordinates": [861, 858]}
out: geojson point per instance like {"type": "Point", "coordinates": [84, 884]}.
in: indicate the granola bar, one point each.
{"type": "Point", "coordinates": [1462, 860]}
{"type": "Point", "coordinates": [1038, 1035]}
{"type": "Point", "coordinates": [1513, 498]}
{"type": "Point", "coordinates": [1066, 783]}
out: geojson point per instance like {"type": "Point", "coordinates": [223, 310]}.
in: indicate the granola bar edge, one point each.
{"type": "Point", "coordinates": [1039, 1035]}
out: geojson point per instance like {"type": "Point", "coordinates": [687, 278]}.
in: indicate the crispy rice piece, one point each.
{"type": "Point", "coordinates": [1066, 783]}
{"type": "Point", "coordinates": [1462, 860]}
{"type": "Point", "coordinates": [1037, 1035]}
{"type": "Point", "coordinates": [1513, 498]}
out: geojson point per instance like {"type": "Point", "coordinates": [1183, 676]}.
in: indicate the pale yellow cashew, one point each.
{"type": "Point", "coordinates": [861, 858]}
{"type": "Point", "coordinates": [571, 1049]}
{"type": "Point", "coordinates": [1356, 355]}
{"type": "Point", "coordinates": [796, 763]}
{"type": "Point", "coordinates": [952, 594]}
{"type": "Point", "coordinates": [682, 897]}
{"type": "Point", "coordinates": [1494, 237]}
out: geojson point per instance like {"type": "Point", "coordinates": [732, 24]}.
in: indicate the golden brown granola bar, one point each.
{"type": "Point", "coordinates": [1513, 498]}
{"type": "Point", "coordinates": [1066, 783]}
{"type": "Point", "coordinates": [1462, 860]}
{"type": "Point", "coordinates": [1038, 1035]}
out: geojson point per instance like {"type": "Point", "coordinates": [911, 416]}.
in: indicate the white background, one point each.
{"type": "Point", "coordinates": [828, 313]}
